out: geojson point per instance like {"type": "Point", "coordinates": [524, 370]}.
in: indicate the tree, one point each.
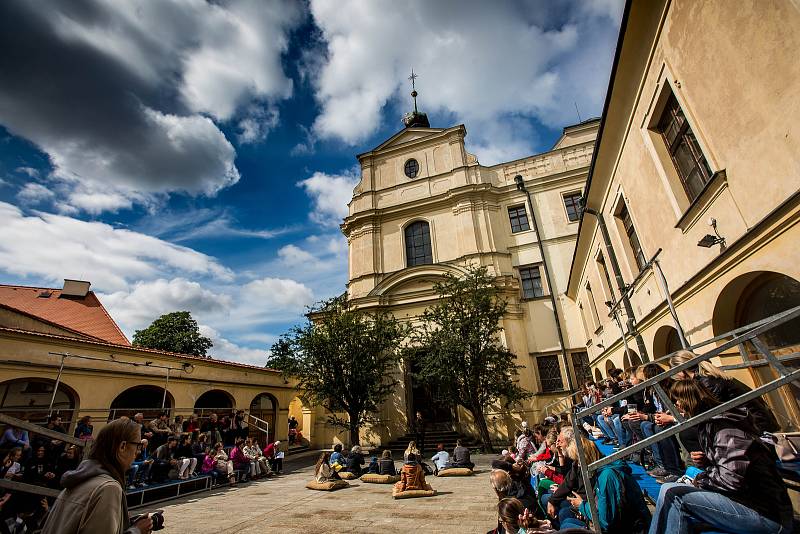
{"type": "Point", "coordinates": [343, 360]}
{"type": "Point", "coordinates": [459, 349]}
{"type": "Point", "coordinates": [174, 332]}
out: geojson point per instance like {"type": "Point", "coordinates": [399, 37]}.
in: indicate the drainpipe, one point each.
{"type": "Point", "coordinates": [521, 187]}
{"type": "Point", "coordinates": [621, 287]}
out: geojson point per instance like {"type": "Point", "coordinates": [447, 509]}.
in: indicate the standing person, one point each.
{"type": "Point", "coordinates": [84, 429]}
{"type": "Point", "coordinates": [419, 431]}
{"type": "Point", "coordinates": [740, 489]}
{"type": "Point", "coordinates": [93, 501]}
{"type": "Point", "coordinates": [440, 459]}
{"type": "Point", "coordinates": [293, 424]}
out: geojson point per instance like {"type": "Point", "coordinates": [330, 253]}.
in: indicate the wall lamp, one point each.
{"type": "Point", "coordinates": [709, 240]}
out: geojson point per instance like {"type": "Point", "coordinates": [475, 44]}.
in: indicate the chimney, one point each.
{"type": "Point", "coordinates": [75, 288]}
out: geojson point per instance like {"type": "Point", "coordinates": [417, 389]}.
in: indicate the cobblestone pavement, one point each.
{"type": "Point", "coordinates": [283, 504]}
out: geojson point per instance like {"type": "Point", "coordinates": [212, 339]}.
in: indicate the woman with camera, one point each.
{"type": "Point", "coordinates": [93, 500]}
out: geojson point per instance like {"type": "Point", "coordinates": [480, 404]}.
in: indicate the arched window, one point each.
{"type": "Point", "coordinates": [768, 294]}
{"type": "Point", "coordinates": [418, 244]}
{"type": "Point", "coordinates": [29, 398]}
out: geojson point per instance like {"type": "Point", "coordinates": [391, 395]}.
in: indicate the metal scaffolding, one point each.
{"type": "Point", "coordinates": [740, 336]}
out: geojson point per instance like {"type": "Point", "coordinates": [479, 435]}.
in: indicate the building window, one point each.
{"type": "Point", "coordinates": [684, 149]}
{"type": "Point", "coordinates": [531, 278]}
{"type": "Point", "coordinates": [519, 219]}
{"type": "Point", "coordinates": [572, 201]}
{"type": "Point", "coordinates": [549, 373]}
{"type": "Point", "coordinates": [411, 168]}
{"type": "Point", "coordinates": [592, 306]}
{"type": "Point", "coordinates": [418, 244]}
{"type": "Point", "coordinates": [580, 364]}
{"type": "Point", "coordinates": [633, 238]}
{"type": "Point", "coordinates": [606, 280]}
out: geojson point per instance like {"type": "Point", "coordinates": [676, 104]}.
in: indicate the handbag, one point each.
{"type": "Point", "coordinates": [787, 446]}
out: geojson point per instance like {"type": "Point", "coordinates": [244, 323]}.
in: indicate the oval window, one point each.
{"type": "Point", "coordinates": [411, 168]}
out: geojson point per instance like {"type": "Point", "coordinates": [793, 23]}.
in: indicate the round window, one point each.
{"type": "Point", "coordinates": [411, 168]}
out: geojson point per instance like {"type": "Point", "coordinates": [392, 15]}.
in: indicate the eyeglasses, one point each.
{"type": "Point", "coordinates": [138, 445]}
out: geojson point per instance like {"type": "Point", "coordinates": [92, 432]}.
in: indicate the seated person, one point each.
{"type": "Point", "coordinates": [11, 467]}
{"type": "Point", "coordinates": [461, 457]}
{"type": "Point", "coordinates": [386, 464]}
{"type": "Point", "coordinates": [258, 465]}
{"type": "Point", "coordinates": [165, 460]}
{"type": "Point", "coordinates": [262, 460]}
{"type": "Point", "coordinates": [39, 470]}
{"type": "Point", "coordinates": [412, 477]}
{"type": "Point", "coordinates": [620, 505]}
{"type": "Point", "coordinates": [740, 484]}
{"type": "Point", "coordinates": [199, 447]}
{"type": "Point", "coordinates": [139, 474]}
{"type": "Point", "coordinates": [354, 461]}
{"type": "Point", "coordinates": [322, 471]}
{"type": "Point", "coordinates": [412, 448]}
{"type": "Point", "coordinates": [373, 465]}
{"type": "Point", "coordinates": [67, 461]}
{"type": "Point", "coordinates": [337, 457]}
{"type": "Point", "coordinates": [222, 463]}
{"type": "Point", "coordinates": [240, 460]}
{"type": "Point", "coordinates": [440, 459]}
{"type": "Point", "coordinates": [185, 456]}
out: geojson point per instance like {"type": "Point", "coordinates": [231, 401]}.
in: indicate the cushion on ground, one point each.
{"type": "Point", "coordinates": [346, 475]}
{"type": "Point", "coordinates": [374, 478]}
{"type": "Point", "coordinates": [410, 494]}
{"type": "Point", "coordinates": [327, 486]}
{"type": "Point", "coordinates": [455, 472]}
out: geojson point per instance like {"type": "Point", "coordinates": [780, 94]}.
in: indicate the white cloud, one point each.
{"type": "Point", "coordinates": [33, 193]}
{"type": "Point", "coordinates": [54, 247]}
{"type": "Point", "coordinates": [126, 92]}
{"type": "Point", "coordinates": [204, 223]}
{"type": "Point", "coordinates": [330, 194]}
{"type": "Point", "coordinates": [137, 307]}
{"type": "Point", "coordinates": [30, 172]}
{"type": "Point", "coordinates": [224, 349]}
{"type": "Point", "coordinates": [481, 62]}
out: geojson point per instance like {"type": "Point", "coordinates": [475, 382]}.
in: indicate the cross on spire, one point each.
{"type": "Point", "coordinates": [413, 79]}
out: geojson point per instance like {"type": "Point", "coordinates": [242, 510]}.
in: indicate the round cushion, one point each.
{"type": "Point", "coordinates": [410, 494]}
{"type": "Point", "coordinates": [455, 472]}
{"type": "Point", "coordinates": [373, 478]}
{"type": "Point", "coordinates": [347, 475]}
{"type": "Point", "coordinates": [327, 486]}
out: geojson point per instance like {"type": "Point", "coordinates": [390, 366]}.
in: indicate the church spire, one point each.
{"type": "Point", "coordinates": [415, 118]}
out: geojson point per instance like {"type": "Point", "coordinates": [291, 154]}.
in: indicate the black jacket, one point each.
{"type": "Point", "coordinates": [386, 467]}
{"type": "Point", "coordinates": [573, 481]}
{"type": "Point", "coordinates": [727, 389]}
{"type": "Point", "coordinates": [742, 467]}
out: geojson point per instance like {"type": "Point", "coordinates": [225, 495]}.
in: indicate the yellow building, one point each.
{"type": "Point", "coordinates": [697, 165]}
{"type": "Point", "coordinates": [60, 351]}
{"type": "Point", "coordinates": [424, 207]}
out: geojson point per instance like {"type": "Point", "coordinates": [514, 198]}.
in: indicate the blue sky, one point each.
{"type": "Point", "coordinates": [190, 155]}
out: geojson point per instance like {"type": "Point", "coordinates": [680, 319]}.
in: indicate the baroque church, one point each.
{"type": "Point", "coordinates": [425, 206]}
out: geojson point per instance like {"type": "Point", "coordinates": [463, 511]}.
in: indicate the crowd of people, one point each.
{"type": "Point", "coordinates": [731, 485]}
{"type": "Point", "coordinates": [166, 449]}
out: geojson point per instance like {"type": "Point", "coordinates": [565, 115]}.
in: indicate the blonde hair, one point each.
{"type": "Point", "coordinates": [704, 368]}
{"type": "Point", "coordinates": [412, 448]}
{"type": "Point", "coordinates": [571, 451]}
{"type": "Point", "coordinates": [590, 450]}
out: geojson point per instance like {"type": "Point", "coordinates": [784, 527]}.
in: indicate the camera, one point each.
{"type": "Point", "coordinates": [156, 517]}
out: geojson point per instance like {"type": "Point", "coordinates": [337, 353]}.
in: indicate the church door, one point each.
{"type": "Point", "coordinates": [437, 412]}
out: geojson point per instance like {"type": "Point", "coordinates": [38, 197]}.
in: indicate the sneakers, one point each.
{"type": "Point", "coordinates": [667, 479]}
{"type": "Point", "coordinates": [658, 472]}
{"type": "Point", "coordinates": [132, 487]}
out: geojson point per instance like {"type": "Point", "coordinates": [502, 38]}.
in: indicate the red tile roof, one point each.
{"type": "Point", "coordinates": [84, 316]}
{"type": "Point", "coordinates": [140, 349]}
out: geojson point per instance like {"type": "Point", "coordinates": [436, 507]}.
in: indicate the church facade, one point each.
{"type": "Point", "coordinates": [424, 207]}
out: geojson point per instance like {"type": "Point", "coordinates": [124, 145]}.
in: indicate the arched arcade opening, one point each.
{"type": "Point", "coordinates": [147, 399]}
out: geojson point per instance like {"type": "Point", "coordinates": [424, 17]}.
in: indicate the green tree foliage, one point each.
{"type": "Point", "coordinates": [343, 360]}
{"type": "Point", "coordinates": [460, 354]}
{"type": "Point", "coordinates": [174, 332]}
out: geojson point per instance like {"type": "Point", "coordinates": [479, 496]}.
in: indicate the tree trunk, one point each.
{"type": "Point", "coordinates": [355, 439]}
{"type": "Point", "coordinates": [483, 429]}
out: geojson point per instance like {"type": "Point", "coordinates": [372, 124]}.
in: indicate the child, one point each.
{"type": "Point", "coordinates": [373, 465]}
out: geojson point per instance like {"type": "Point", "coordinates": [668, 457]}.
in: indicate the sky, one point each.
{"type": "Point", "coordinates": [193, 155]}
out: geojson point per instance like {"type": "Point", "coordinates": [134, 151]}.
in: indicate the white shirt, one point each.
{"type": "Point", "coordinates": [441, 459]}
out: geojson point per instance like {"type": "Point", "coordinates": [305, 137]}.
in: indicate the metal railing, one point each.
{"type": "Point", "coordinates": [31, 428]}
{"type": "Point", "coordinates": [742, 335]}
